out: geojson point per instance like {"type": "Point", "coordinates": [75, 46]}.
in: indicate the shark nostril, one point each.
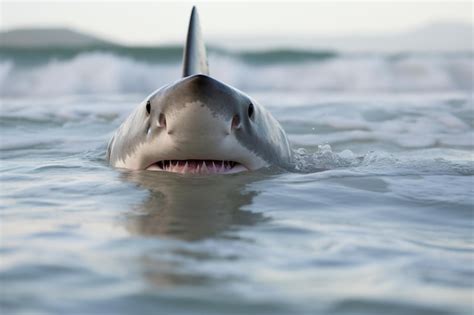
{"type": "Point", "coordinates": [235, 122]}
{"type": "Point", "coordinates": [162, 121]}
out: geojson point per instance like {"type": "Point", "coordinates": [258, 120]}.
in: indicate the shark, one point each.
{"type": "Point", "coordinates": [199, 125]}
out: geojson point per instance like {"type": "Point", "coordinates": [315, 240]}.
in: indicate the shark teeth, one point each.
{"type": "Point", "coordinates": [196, 166]}
{"type": "Point", "coordinates": [204, 168]}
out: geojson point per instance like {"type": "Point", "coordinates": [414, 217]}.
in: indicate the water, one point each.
{"type": "Point", "coordinates": [377, 216]}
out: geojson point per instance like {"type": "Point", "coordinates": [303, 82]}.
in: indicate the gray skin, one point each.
{"type": "Point", "coordinates": [199, 118]}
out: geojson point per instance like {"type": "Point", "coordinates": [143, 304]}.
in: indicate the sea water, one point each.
{"type": "Point", "coordinates": [375, 217]}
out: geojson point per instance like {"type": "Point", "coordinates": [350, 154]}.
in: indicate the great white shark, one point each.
{"type": "Point", "coordinates": [199, 125]}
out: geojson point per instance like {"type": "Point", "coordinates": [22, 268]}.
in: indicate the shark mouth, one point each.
{"type": "Point", "coordinates": [197, 167]}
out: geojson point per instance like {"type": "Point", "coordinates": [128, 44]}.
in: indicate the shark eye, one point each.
{"type": "Point", "coordinates": [148, 107]}
{"type": "Point", "coordinates": [250, 110]}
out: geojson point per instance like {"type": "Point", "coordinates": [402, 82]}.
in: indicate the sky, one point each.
{"type": "Point", "coordinates": [149, 22]}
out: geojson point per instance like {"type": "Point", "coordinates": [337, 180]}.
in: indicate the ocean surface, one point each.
{"type": "Point", "coordinates": [376, 217]}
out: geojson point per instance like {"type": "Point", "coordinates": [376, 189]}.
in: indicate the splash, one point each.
{"type": "Point", "coordinates": [323, 159]}
{"type": "Point", "coordinates": [347, 163]}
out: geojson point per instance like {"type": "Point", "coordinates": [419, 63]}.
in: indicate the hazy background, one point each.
{"type": "Point", "coordinates": [154, 22]}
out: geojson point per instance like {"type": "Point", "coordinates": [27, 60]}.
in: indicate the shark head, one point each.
{"type": "Point", "coordinates": [199, 125]}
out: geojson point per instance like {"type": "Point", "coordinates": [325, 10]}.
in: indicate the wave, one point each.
{"type": "Point", "coordinates": [65, 72]}
{"type": "Point", "coordinates": [164, 54]}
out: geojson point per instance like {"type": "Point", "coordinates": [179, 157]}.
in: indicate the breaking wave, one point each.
{"type": "Point", "coordinates": [100, 71]}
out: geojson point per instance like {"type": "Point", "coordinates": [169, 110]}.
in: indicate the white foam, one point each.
{"type": "Point", "coordinates": [346, 163]}
{"type": "Point", "coordinates": [105, 72]}
{"type": "Point", "coordinates": [88, 73]}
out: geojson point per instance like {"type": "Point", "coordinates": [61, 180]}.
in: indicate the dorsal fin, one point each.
{"type": "Point", "coordinates": [194, 57]}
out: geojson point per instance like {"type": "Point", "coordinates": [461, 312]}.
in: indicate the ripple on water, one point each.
{"type": "Point", "coordinates": [379, 221]}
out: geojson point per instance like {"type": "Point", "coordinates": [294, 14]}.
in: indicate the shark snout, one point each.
{"type": "Point", "coordinates": [195, 121]}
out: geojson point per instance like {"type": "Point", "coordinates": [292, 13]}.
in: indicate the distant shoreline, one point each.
{"type": "Point", "coordinates": [436, 37]}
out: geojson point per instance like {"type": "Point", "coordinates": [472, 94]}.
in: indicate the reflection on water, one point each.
{"type": "Point", "coordinates": [191, 208]}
